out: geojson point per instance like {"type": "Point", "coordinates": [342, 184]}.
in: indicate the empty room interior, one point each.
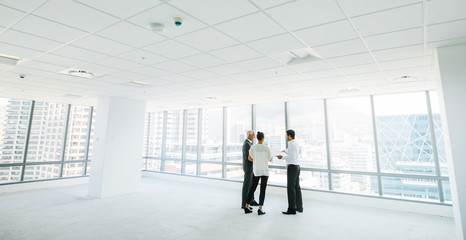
{"type": "Point", "coordinates": [130, 119]}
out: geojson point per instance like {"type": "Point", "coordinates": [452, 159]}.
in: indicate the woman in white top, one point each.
{"type": "Point", "coordinates": [260, 155]}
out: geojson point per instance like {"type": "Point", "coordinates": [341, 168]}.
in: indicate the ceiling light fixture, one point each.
{"type": "Point", "coordinates": [9, 60]}
{"type": "Point", "coordinates": [156, 27]}
{"type": "Point", "coordinates": [302, 55]}
{"type": "Point", "coordinates": [140, 83]}
{"type": "Point", "coordinates": [405, 78]}
{"type": "Point", "coordinates": [349, 90]}
{"type": "Point", "coordinates": [79, 73]}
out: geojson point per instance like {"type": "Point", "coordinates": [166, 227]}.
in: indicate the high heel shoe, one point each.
{"type": "Point", "coordinates": [259, 212]}
{"type": "Point", "coordinates": [247, 210]}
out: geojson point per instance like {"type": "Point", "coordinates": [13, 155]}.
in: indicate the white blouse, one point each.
{"type": "Point", "coordinates": [261, 155]}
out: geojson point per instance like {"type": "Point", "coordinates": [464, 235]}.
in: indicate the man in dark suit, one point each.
{"type": "Point", "coordinates": [247, 168]}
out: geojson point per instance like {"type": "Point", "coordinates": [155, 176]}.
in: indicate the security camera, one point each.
{"type": "Point", "coordinates": [22, 76]}
{"type": "Point", "coordinates": [178, 21]}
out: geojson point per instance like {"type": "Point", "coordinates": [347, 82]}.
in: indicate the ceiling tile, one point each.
{"type": "Point", "coordinates": [442, 11]}
{"type": "Point", "coordinates": [281, 43]}
{"type": "Point", "coordinates": [351, 60]}
{"type": "Point", "coordinates": [121, 8]}
{"type": "Point", "coordinates": [143, 57]}
{"type": "Point", "coordinates": [42, 66]}
{"type": "Point", "coordinates": [390, 20]}
{"type": "Point", "coordinates": [28, 41]}
{"type": "Point", "coordinates": [102, 45]}
{"type": "Point", "coordinates": [327, 33]}
{"type": "Point", "coordinates": [445, 31]}
{"type": "Point", "coordinates": [250, 27]}
{"type": "Point", "coordinates": [226, 69]}
{"type": "Point", "coordinates": [171, 49]}
{"type": "Point", "coordinates": [129, 75]}
{"type": "Point", "coordinates": [395, 39]}
{"type": "Point", "coordinates": [202, 40]}
{"type": "Point", "coordinates": [270, 3]}
{"type": "Point", "coordinates": [311, 66]}
{"type": "Point", "coordinates": [21, 52]}
{"type": "Point", "coordinates": [29, 72]}
{"type": "Point", "coordinates": [119, 63]}
{"type": "Point", "coordinates": [131, 34]}
{"type": "Point", "coordinates": [236, 53]}
{"type": "Point", "coordinates": [358, 7]}
{"type": "Point", "coordinates": [217, 11]}
{"type": "Point", "coordinates": [303, 14]}
{"type": "Point", "coordinates": [399, 53]}
{"type": "Point", "coordinates": [76, 15]}
{"type": "Point", "coordinates": [202, 60]}
{"type": "Point", "coordinates": [8, 16]}
{"type": "Point", "coordinates": [165, 14]}
{"type": "Point", "coordinates": [151, 71]}
{"type": "Point", "coordinates": [366, 68]}
{"type": "Point", "coordinates": [341, 48]}
{"type": "Point", "coordinates": [258, 63]}
{"type": "Point", "coordinates": [79, 53]}
{"type": "Point", "coordinates": [175, 79]}
{"type": "Point", "coordinates": [48, 29]}
{"type": "Point", "coordinates": [200, 74]}
{"type": "Point", "coordinates": [23, 5]}
{"type": "Point", "coordinates": [245, 77]}
{"type": "Point", "coordinates": [404, 63]}
{"type": "Point", "coordinates": [175, 67]}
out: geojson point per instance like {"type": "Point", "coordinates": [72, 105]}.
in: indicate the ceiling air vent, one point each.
{"type": "Point", "coordinates": [302, 55]}
{"type": "Point", "coordinates": [79, 73]}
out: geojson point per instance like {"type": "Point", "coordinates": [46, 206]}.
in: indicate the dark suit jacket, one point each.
{"type": "Point", "coordinates": [247, 165]}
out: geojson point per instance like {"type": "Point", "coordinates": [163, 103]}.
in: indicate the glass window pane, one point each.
{"type": "Point", "coordinates": [91, 140]}
{"type": "Point", "coordinates": [238, 123]}
{"type": "Point", "coordinates": [72, 169]}
{"type": "Point", "coordinates": [173, 166]}
{"type": "Point", "coordinates": [446, 191]}
{"type": "Point", "coordinates": [88, 170]}
{"type": "Point", "coordinates": [410, 188]}
{"type": "Point", "coordinates": [351, 134]}
{"type": "Point", "coordinates": [308, 121]}
{"type": "Point", "coordinates": [174, 135]}
{"type": "Point", "coordinates": [47, 132]}
{"type": "Point", "coordinates": [192, 127]}
{"type": "Point", "coordinates": [10, 174]}
{"type": "Point", "coordinates": [76, 138]}
{"type": "Point", "coordinates": [153, 134]}
{"type": "Point", "coordinates": [277, 176]}
{"type": "Point", "coordinates": [353, 183]}
{"type": "Point", "coordinates": [439, 136]}
{"type": "Point", "coordinates": [14, 120]}
{"type": "Point", "coordinates": [212, 134]}
{"type": "Point", "coordinates": [190, 168]}
{"type": "Point", "coordinates": [235, 172]}
{"type": "Point", "coordinates": [153, 164]}
{"type": "Point", "coordinates": [37, 172]}
{"type": "Point", "coordinates": [212, 170]}
{"type": "Point", "coordinates": [270, 119]}
{"type": "Point", "coordinates": [314, 180]}
{"type": "Point", "coordinates": [403, 134]}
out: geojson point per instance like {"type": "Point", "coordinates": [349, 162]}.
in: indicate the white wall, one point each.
{"type": "Point", "coordinates": [452, 63]}
{"type": "Point", "coordinates": [117, 147]}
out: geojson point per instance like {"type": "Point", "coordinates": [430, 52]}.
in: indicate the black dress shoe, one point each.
{"type": "Point", "coordinates": [254, 203]}
{"type": "Point", "coordinates": [247, 210]}
{"type": "Point", "coordinates": [300, 211]}
{"type": "Point", "coordinates": [289, 212]}
{"type": "Point", "coordinates": [259, 212]}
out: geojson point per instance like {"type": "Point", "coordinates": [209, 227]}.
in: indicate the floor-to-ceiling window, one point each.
{"type": "Point", "coordinates": [385, 145]}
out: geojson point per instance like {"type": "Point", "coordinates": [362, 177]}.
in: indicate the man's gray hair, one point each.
{"type": "Point", "coordinates": [249, 132]}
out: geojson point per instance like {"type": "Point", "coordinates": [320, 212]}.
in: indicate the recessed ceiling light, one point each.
{"type": "Point", "coordinates": [211, 99]}
{"type": "Point", "coordinates": [349, 90]}
{"type": "Point", "coordinates": [140, 83]}
{"type": "Point", "coordinates": [405, 78]}
{"type": "Point", "coordinates": [9, 60]}
{"type": "Point", "coordinates": [302, 55]}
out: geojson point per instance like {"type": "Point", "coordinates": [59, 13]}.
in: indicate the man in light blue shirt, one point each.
{"type": "Point", "coordinates": [295, 200]}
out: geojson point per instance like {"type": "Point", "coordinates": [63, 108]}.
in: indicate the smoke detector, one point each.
{"type": "Point", "coordinates": [405, 78]}
{"type": "Point", "coordinates": [79, 73]}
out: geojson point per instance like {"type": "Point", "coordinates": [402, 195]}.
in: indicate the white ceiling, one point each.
{"type": "Point", "coordinates": [233, 50]}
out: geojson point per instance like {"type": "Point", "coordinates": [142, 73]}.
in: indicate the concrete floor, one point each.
{"type": "Point", "coordinates": [184, 209]}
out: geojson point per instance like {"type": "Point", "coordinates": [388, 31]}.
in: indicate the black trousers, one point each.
{"type": "Point", "coordinates": [255, 182]}
{"type": "Point", "coordinates": [295, 199]}
{"type": "Point", "coordinates": [247, 183]}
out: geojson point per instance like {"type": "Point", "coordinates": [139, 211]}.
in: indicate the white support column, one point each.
{"type": "Point", "coordinates": [452, 63]}
{"type": "Point", "coordinates": [118, 139]}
